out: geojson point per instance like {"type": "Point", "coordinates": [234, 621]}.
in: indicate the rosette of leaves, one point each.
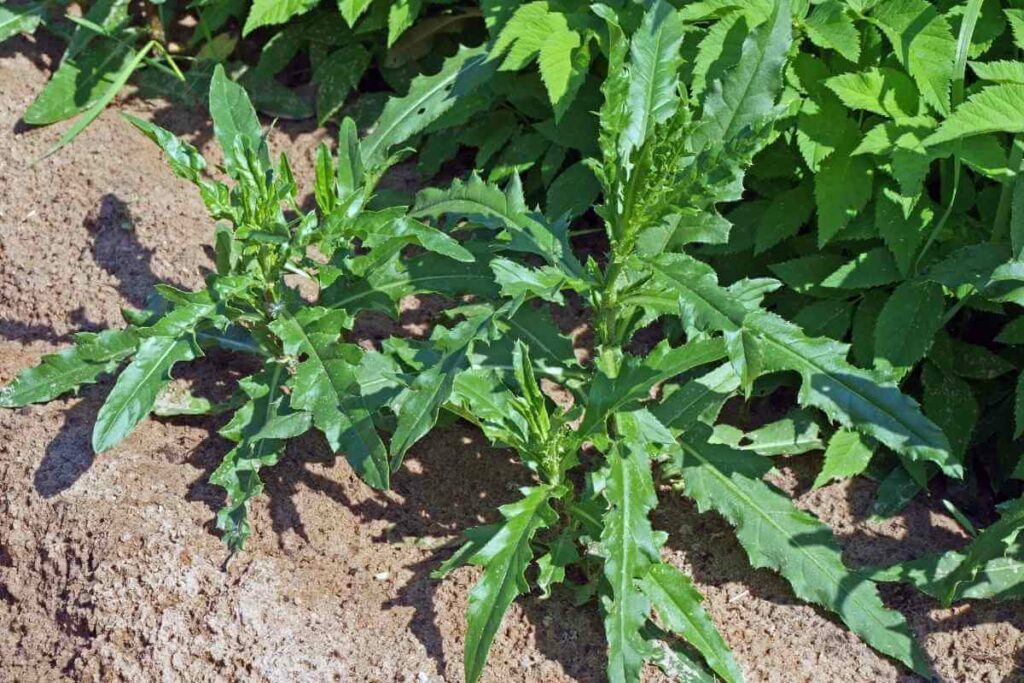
{"type": "Point", "coordinates": [667, 159]}
{"type": "Point", "coordinates": [311, 374]}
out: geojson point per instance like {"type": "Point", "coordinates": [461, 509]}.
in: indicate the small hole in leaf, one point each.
{"type": "Point", "coordinates": [421, 111]}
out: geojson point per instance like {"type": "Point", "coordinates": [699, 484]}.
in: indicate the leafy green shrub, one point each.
{"type": "Point", "coordinates": [837, 146]}
{"type": "Point", "coordinates": [889, 207]}
{"type": "Point", "coordinates": [664, 165]}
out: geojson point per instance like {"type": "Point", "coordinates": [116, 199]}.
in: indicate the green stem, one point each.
{"type": "Point", "coordinates": [1001, 225]}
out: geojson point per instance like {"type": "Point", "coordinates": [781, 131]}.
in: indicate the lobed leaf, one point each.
{"type": "Point", "coordinates": [778, 535]}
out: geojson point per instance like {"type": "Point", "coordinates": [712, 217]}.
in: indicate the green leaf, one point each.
{"type": "Point", "coordinates": [703, 302]}
{"type": "Point", "coordinates": [699, 400]}
{"type": "Point", "coordinates": [784, 216]}
{"type": "Point", "coordinates": [902, 234]}
{"type": "Point", "coordinates": [637, 376]}
{"type": "Point", "coordinates": [58, 373]}
{"type": "Point", "coordinates": [337, 76]}
{"type": "Point", "coordinates": [1000, 71]}
{"type": "Point", "coordinates": [351, 10]}
{"type": "Point", "coordinates": [20, 19]}
{"type": "Point", "coordinates": [235, 122]}
{"type": "Point", "coordinates": [847, 455]}
{"type": "Point", "coordinates": [421, 402]}
{"type": "Point", "coordinates": [401, 16]}
{"type": "Point", "coordinates": [748, 92]}
{"type": "Point", "coordinates": [270, 12]}
{"type": "Point", "coordinates": [137, 388]}
{"type": "Point", "coordinates": [994, 109]}
{"type": "Point", "coordinates": [97, 107]}
{"type": "Point", "coordinates": [830, 27]}
{"type": "Point", "coordinates": [849, 395]}
{"type": "Point", "coordinates": [950, 403]}
{"type": "Point", "coordinates": [170, 340]}
{"type": "Point", "coordinates": [504, 557]}
{"type": "Point", "coordinates": [184, 159]}
{"type": "Point", "coordinates": [324, 383]}
{"type": "Point", "coordinates": [908, 322]}
{"type": "Point", "coordinates": [270, 97]}
{"type": "Point", "coordinates": [882, 91]}
{"type": "Point", "coordinates": [1018, 408]}
{"type": "Point", "coordinates": [653, 94]}
{"type": "Point", "coordinates": [551, 565]}
{"type": "Point", "coordinates": [238, 473]}
{"type": "Point", "coordinates": [536, 30]}
{"type": "Point", "coordinates": [678, 604]}
{"type": "Point", "coordinates": [778, 535]}
{"type": "Point", "coordinates": [488, 205]}
{"type": "Point", "coordinates": [1000, 578]}
{"type": "Point", "coordinates": [573, 192]}
{"type": "Point", "coordinates": [990, 544]}
{"type": "Point", "coordinates": [895, 491]}
{"type": "Point", "coordinates": [629, 546]}
{"type": "Point", "coordinates": [924, 44]}
{"type": "Point", "coordinates": [428, 98]}
{"type": "Point", "coordinates": [80, 82]}
{"type": "Point", "coordinates": [792, 435]}
{"type": "Point", "coordinates": [872, 268]}
{"type": "Point", "coordinates": [842, 188]}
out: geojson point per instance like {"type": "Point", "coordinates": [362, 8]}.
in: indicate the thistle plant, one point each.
{"type": "Point", "coordinates": [639, 426]}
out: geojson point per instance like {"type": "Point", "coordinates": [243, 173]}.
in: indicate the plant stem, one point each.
{"type": "Point", "coordinates": [1001, 225]}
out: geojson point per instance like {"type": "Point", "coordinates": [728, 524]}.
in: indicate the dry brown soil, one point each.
{"type": "Point", "coordinates": [110, 569]}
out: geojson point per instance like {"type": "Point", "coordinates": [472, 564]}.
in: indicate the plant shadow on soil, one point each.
{"type": "Point", "coordinates": [116, 248]}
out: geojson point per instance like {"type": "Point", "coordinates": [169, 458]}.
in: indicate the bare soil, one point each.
{"type": "Point", "coordinates": [110, 568]}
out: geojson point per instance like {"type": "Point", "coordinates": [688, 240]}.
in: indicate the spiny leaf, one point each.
{"type": "Point", "coordinates": [492, 207]}
{"type": "Point", "coordinates": [1000, 578]}
{"type": "Point", "coordinates": [678, 604]}
{"type": "Point", "coordinates": [324, 384]}
{"type": "Point", "coordinates": [137, 388]}
{"type": "Point", "coordinates": [637, 376]}
{"type": "Point", "coordinates": [847, 455]}
{"type": "Point", "coordinates": [700, 399]}
{"type": "Point", "coordinates": [238, 473]}
{"type": "Point", "coordinates": [748, 92]}
{"type": "Point", "coordinates": [58, 373]}
{"type": "Point", "coordinates": [428, 98]}
{"type": "Point", "coordinates": [504, 557]}
{"type": "Point", "coordinates": [851, 396]}
{"type": "Point", "coordinates": [990, 544]}
{"type": "Point", "coordinates": [778, 535]}
{"type": "Point", "coordinates": [170, 340]}
{"type": "Point", "coordinates": [629, 546]}
{"type": "Point", "coordinates": [421, 402]}
{"type": "Point", "coordinates": [184, 159]}
{"type": "Point", "coordinates": [653, 75]}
